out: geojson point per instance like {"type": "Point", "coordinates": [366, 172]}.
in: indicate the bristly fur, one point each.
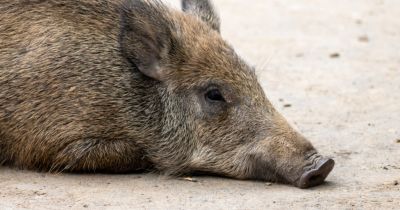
{"type": "Point", "coordinates": [119, 86]}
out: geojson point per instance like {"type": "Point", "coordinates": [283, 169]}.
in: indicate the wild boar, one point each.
{"type": "Point", "coordinates": [127, 85]}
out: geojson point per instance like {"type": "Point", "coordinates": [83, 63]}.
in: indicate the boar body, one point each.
{"type": "Point", "coordinates": [121, 86]}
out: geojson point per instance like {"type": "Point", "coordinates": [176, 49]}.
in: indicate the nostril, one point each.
{"type": "Point", "coordinates": [316, 180]}
{"type": "Point", "coordinates": [316, 175]}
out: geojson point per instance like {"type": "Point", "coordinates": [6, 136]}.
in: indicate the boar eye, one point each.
{"type": "Point", "coordinates": [214, 95]}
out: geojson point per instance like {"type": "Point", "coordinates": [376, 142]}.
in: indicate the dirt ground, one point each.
{"type": "Point", "coordinates": [331, 67]}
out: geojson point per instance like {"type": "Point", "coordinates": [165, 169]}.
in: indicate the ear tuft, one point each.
{"type": "Point", "coordinates": [204, 10]}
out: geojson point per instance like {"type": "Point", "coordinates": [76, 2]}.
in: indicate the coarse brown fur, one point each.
{"type": "Point", "coordinates": [118, 86]}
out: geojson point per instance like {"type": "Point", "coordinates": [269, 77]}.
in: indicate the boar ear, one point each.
{"type": "Point", "coordinates": [203, 9]}
{"type": "Point", "coordinates": [146, 37]}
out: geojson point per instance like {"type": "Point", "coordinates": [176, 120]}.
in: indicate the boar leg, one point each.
{"type": "Point", "coordinates": [92, 155]}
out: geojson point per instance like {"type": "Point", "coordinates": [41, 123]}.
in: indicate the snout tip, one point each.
{"type": "Point", "coordinates": [317, 175]}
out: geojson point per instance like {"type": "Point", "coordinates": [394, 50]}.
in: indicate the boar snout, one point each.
{"type": "Point", "coordinates": [286, 156]}
{"type": "Point", "coordinates": [316, 174]}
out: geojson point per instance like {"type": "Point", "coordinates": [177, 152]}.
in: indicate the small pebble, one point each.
{"type": "Point", "coordinates": [394, 183]}
{"type": "Point", "coordinates": [287, 105]}
{"type": "Point", "coordinates": [39, 193]}
{"type": "Point", "coordinates": [190, 179]}
{"type": "Point", "coordinates": [397, 140]}
{"type": "Point", "coordinates": [268, 183]}
{"type": "Point", "coordinates": [363, 38]}
{"type": "Point", "coordinates": [299, 55]}
{"type": "Point", "coordinates": [334, 55]}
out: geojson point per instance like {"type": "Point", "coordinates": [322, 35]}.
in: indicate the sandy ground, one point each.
{"type": "Point", "coordinates": [331, 67]}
